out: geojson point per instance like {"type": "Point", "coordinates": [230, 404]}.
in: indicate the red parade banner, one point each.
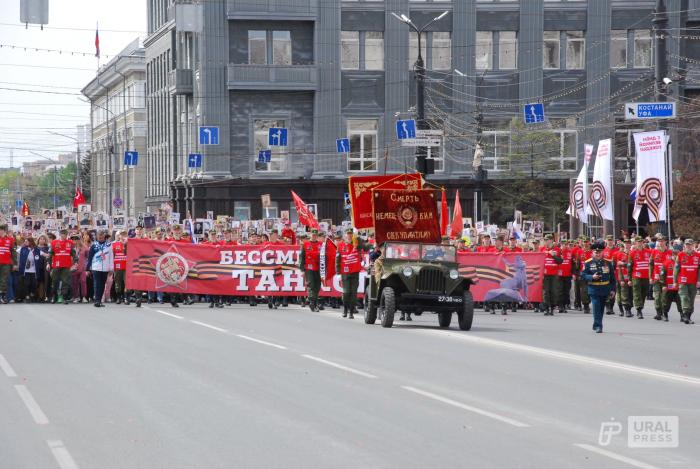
{"type": "Point", "coordinates": [360, 189]}
{"type": "Point", "coordinates": [405, 216]}
{"type": "Point", "coordinates": [160, 266]}
{"type": "Point", "coordinates": [514, 277]}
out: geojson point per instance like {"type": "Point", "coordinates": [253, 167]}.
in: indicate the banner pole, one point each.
{"type": "Point", "coordinates": [667, 166]}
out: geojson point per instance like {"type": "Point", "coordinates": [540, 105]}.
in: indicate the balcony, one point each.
{"type": "Point", "coordinates": [272, 9]}
{"type": "Point", "coordinates": [272, 77]}
{"type": "Point", "coordinates": [180, 81]}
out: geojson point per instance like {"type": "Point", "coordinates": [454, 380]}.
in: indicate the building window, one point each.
{"type": "Point", "coordinates": [625, 151]}
{"type": "Point", "coordinates": [484, 50]}
{"type": "Point", "coordinates": [241, 210]}
{"type": "Point", "coordinates": [550, 50]}
{"type": "Point", "coordinates": [568, 142]}
{"type": "Point", "coordinates": [363, 144]}
{"type": "Point", "coordinates": [642, 48]}
{"type": "Point", "coordinates": [281, 48]}
{"type": "Point", "coordinates": [496, 144]}
{"type": "Point", "coordinates": [272, 211]}
{"type": "Point", "coordinates": [436, 49]}
{"type": "Point", "coordinates": [262, 128]}
{"type": "Point", "coordinates": [374, 50]}
{"type": "Point", "coordinates": [257, 47]}
{"type": "Point", "coordinates": [575, 50]}
{"type": "Point", "coordinates": [507, 50]}
{"type": "Point", "coordinates": [618, 48]}
{"type": "Point", "coordinates": [362, 50]}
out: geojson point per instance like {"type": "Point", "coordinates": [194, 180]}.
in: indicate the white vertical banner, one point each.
{"type": "Point", "coordinates": [578, 198]}
{"type": "Point", "coordinates": [600, 201]}
{"type": "Point", "coordinates": [651, 174]}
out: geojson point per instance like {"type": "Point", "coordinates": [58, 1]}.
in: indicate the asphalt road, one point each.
{"type": "Point", "coordinates": [241, 387]}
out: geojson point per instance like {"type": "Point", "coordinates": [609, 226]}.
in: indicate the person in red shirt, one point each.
{"type": "Point", "coordinates": [658, 257]}
{"type": "Point", "coordinates": [551, 283]}
{"type": "Point", "coordinates": [624, 291]}
{"type": "Point", "coordinates": [609, 255]}
{"type": "Point", "coordinates": [309, 263]}
{"type": "Point", "coordinates": [670, 289]}
{"type": "Point", "coordinates": [119, 250]}
{"type": "Point", "coordinates": [486, 245]}
{"type": "Point", "coordinates": [566, 269]}
{"type": "Point", "coordinates": [638, 265]}
{"type": "Point", "coordinates": [62, 256]}
{"type": "Point", "coordinates": [685, 275]}
{"type": "Point", "coordinates": [513, 245]}
{"type": "Point", "coordinates": [348, 263]}
{"type": "Point", "coordinates": [8, 261]}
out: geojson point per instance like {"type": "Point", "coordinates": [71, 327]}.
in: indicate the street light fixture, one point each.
{"type": "Point", "coordinates": [421, 152]}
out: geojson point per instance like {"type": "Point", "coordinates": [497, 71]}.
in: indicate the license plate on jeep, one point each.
{"type": "Point", "coordinates": [449, 299]}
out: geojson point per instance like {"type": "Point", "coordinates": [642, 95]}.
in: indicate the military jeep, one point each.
{"type": "Point", "coordinates": [416, 278]}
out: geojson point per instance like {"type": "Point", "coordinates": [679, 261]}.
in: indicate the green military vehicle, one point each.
{"type": "Point", "coordinates": [416, 278]}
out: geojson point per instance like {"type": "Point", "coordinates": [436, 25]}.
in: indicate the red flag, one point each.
{"type": "Point", "coordinates": [97, 42]}
{"type": "Point", "coordinates": [444, 216]}
{"type": "Point", "coordinates": [25, 210]}
{"type": "Point", "coordinates": [78, 199]}
{"type": "Point", "coordinates": [306, 218]}
{"type": "Point", "coordinates": [456, 226]}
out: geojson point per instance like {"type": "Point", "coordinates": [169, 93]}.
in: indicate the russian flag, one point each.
{"type": "Point", "coordinates": [97, 42]}
{"type": "Point", "coordinates": [633, 194]}
{"type": "Point", "coordinates": [190, 230]}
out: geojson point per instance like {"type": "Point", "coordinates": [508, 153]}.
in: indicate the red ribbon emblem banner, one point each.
{"type": "Point", "coordinates": [161, 266]}
{"type": "Point", "coordinates": [405, 216]}
{"type": "Point", "coordinates": [514, 277]}
{"type": "Point", "coordinates": [360, 190]}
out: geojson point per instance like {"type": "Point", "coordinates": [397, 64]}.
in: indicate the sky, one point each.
{"type": "Point", "coordinates": [54, 79]}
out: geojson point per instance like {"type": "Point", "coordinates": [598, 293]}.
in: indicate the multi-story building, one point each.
{"type": "Point", "coordinates": [325, 69]}
{"type": "Point", "coordinates": [118, 125]}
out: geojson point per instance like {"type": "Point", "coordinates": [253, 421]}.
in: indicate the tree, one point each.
{"type": "Point", "coordinates": [86, 175]}
{"type": "Point", "coordinates": [686, 206]}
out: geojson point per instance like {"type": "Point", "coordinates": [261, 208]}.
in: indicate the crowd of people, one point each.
{"type": "Point", "coordinates": [90, 266]}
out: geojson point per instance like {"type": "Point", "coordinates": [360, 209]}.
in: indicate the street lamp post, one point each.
{"type": "Point", "coordinates": [421, 123]}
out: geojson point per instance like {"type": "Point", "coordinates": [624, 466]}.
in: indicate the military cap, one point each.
{"type": "Point", "coordinates": [536, 241]}
{"type": "Point", "coordinates": [689, 241]}
{"type": "Point", "coordinates": [638, 238]}
{"type": "Point", "coordinates": [626, 240]}
{"type": "Point", "coordinates": [548, 236]}
{"type": "Point", "coordinates": [350, 230]}
{"type": "Point", "coordinates": [661, 237]}
{"type": "Point", "coordinates": [314, 231]}
{"type": "Point", "coordinates": [598, 246]}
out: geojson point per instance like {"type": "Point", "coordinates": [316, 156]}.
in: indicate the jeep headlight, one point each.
{"type": "Point", "coordinates": [454, 275]}
{"type": "Point", "coordinates": [407, 271]}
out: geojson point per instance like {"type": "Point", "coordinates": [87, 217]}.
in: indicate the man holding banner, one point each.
{"type": "Point", "coordinates": [309, 263]}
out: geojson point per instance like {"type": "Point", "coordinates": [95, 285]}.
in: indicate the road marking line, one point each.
{"type": "Point", "coordinates": [168, 314]}
{"type": "Point", "coordinates": [339, 366]}
{"type": "Point", "coordinates": [615, 456]}
{"type": "Point", "coordinates": [6, 368]}
{"type": "Point", "coordinates": [576, 358]}
{"type": "Point", "coordinates": [61, 454]}
{"type": "Point", "coordinates": [37, 414]}
{"type": "Point", "coordinates": [204, 324]}
{"type": "Point", "coordinates": [466, 407]}
{"type": "Point", "coordinates": [258, 341]}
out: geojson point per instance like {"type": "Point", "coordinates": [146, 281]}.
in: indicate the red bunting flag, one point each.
{"type": "Point", "coordinates": [79, 199]}
{"type": "Point", "coordinates": [306, 218]}
{"type": "Point", "coordinates": [444, 216]}
{"type": "Point", "coordinates": [25, 210]}
{"type": "Point", "coordinates": [456, 226]}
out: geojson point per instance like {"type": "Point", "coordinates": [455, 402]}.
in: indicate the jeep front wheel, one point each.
{"type": "Point", "coordinates": [466, 316]}
{"type": "Point", "coordinates": [370, 309]}
{"type": "Point", "coordinates": [387, 307]}
{"type": "Point", "coordinates": [444, 319]}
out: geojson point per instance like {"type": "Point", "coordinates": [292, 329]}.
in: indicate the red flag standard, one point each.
{"type": "Point", "coordinates": [79, 199]}
{"type": "Point", "coordinates": [456, 226]}
{"type": "Point", "coordinates": [444, 216]}
{"type": "Point", "coordinates": [25, 210]}
{"type": "Point", "coordinates": [97, 42]}
{"type": "Point", "coordinates": [306, 218]}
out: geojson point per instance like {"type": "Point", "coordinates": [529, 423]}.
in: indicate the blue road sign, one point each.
{"type": "Point", "coordinates": [533, 113]}
{"type": "Point", "coordinates": [131, 158]}
{"type": "Point", "coordinates": [265, 156]}
{"type": "Point", "coordinates": [277, 137]}
{"type": "Point", "coordinates": [18, 204]}
{"type": "Point", "coordinates": [194, 160]}
{"type": "Point", "coordinates": [208, 135]}
{"type": "Point", "coordinates": [642, 111]}
{"type": "Point", "coordinates": [343, 145]}
{"type": "Point", "coordinates": [406, 129]}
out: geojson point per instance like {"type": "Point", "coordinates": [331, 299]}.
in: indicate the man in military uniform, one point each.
{"type": "Point", "coordinates": [658, 257]}
{"type": "Point", "coordinates": [670, 288]}
{"type": "Point", "coordinates": [686, 277]}
{"type": "Point", "coordinates": [348, 264]}
{"type": "Point", "coordinates": [309, 263]}
{"type": "Point", "coordinates": [565, 273]}
{"type": "Point", "coordinates": [624, 291]}
{"type": "Point", "coordinates": [583, 254]}
{"type": "Point", "coordinates": [638, 265]}
{"type": "Point", "coordinates": [600, 275]}
{"type": "Point", "coordinates": [551, 284]}
{"type": "Point", "coordinates": [609, 255]}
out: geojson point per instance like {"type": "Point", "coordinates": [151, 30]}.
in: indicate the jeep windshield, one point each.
{"type": "Point", "coordinates": [419, 252]}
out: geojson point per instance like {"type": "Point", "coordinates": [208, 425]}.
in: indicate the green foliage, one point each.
{"type": "Point", "coordinates": [38, 192]}
{"type": "Point", "coordinates": [532, 150]}
{"type": "Point", "coordinates": [686, 206]}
